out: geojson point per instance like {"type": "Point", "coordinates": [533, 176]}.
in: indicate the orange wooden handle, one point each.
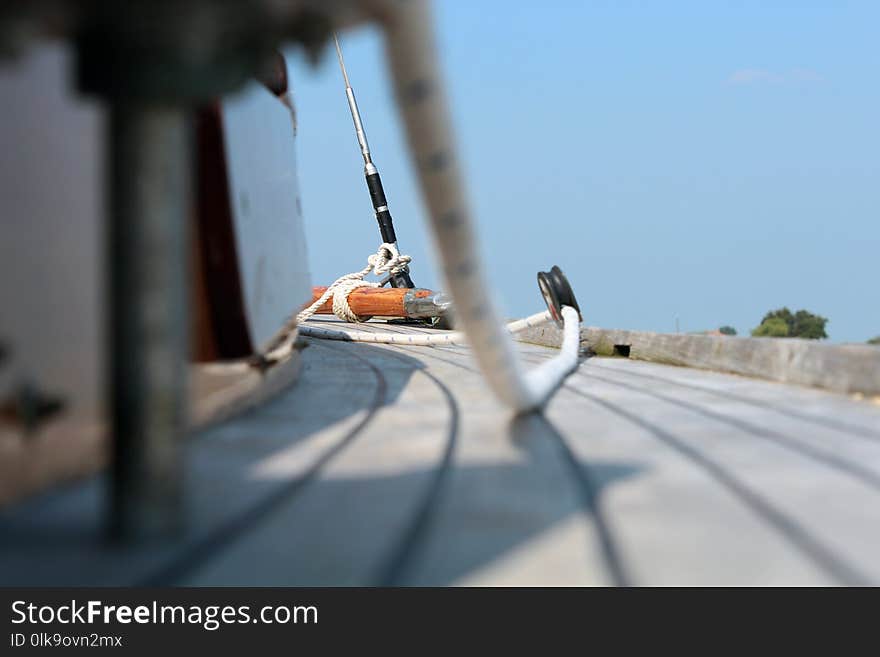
{"type": "Point", "coordinates": [372, 301]}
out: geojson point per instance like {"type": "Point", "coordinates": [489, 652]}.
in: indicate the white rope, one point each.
{"type": "Point", "coordinates": [412, 57]}
{"type": "Point", "coordinates": [548, 376]}
{"type": "Point", "coordinates": [541, 381]}
{"type": "Point", "coordinates": [386, 260]}
{"type": "Point", "coordinates": [414, 339]}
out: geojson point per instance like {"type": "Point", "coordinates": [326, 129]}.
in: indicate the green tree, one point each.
{"type": "Point", "coordinates": [783, 313]}
{"type": "Point", "coordinates": [809, 326]}
{"type": "Point", "coordinates": [802, 324]}
{"type": "Point", "coordinates": [727, 330]}
{"type": "Point", "coordinates": [774, 327]}
{"type": "Point", "coordinates": [874, 340]}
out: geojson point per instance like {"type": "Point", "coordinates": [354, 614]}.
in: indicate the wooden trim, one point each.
{"type": "Point", "coordinates": [220, 277]}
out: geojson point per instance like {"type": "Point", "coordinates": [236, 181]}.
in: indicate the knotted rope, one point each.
{"type": "Point", "coordinates": [386, 260]}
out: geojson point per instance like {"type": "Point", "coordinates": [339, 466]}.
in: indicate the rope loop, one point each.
{"type": "Point", "coordinates": [386, 260]}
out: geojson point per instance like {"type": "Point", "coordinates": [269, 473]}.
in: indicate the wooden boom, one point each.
{"type": "Point", "coordinates": [374, 301]}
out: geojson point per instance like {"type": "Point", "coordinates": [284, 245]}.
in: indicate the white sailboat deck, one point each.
{"type": "Point", "coordinates": [395, 465]}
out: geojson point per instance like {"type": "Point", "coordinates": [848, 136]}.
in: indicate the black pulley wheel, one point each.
{"type": "Point", "coordinates": [557, 293]}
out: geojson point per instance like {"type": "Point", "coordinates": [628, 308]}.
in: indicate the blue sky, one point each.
{"type": "Point", "coordinates": [706, 161]}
